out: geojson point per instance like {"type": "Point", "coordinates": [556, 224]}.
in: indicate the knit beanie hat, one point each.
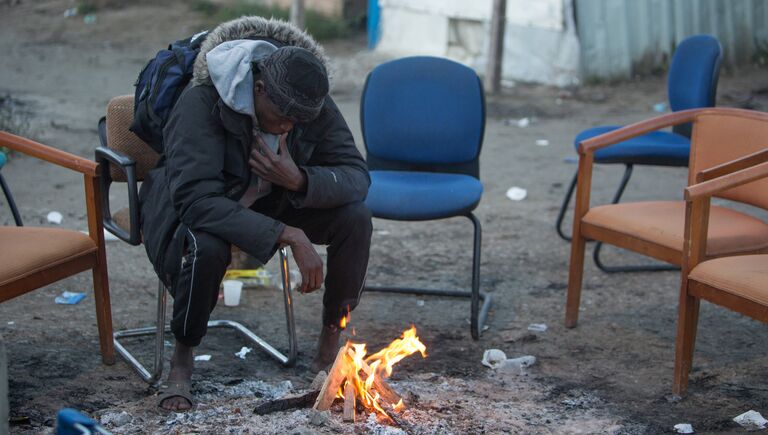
{"type": "Point", "coordinates": [296, 81]}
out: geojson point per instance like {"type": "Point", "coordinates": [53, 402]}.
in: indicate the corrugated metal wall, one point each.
{"type": "Point", "coordinates": [620, 38]}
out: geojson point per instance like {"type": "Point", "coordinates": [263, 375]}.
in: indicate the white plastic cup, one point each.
{"type": "Point", "coordinates": [232, 291]}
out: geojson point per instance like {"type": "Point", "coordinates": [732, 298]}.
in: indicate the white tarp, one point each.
{"type": "Point", "coordinates": [540, 43]}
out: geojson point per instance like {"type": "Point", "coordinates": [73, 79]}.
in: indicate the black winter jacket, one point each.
{"type": "Point", "coordinates": [205, 171]}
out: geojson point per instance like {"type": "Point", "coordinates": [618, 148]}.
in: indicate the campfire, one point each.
{"type": "Point", "coordinates": [358, 379]}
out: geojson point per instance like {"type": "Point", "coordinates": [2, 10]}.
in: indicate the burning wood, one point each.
{"type": "Point", "coordinates": [357, 378]}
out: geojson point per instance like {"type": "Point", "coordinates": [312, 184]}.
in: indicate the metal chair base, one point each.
{"type": "Point", "coordinates": [596, 253]}
{"type": "Point", "coordinates": [478, 314]}
{"type": "Point", "coordinates": [159, 332]}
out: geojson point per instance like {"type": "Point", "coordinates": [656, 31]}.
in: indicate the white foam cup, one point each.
{"type": "Point", "coordinates": [232, 290]}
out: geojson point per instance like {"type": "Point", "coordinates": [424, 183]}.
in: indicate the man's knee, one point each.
{"type": "Point", "coordinates": [356, 217]}
{"type": "Point", "coordinates": [209, 250]}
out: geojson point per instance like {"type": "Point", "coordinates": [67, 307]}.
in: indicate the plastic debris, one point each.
{"type": "Point", "coordinates": [542, 142]}
{"type": "Point", "coordinates": [69, 298]}
{"type": "Point", "coordinates": [251, 277]}
{"type": "Point", "coordinates": [516, 366]}
{"type": "Point", "coordinates": [382, 232]}
{"type": "Point", "coordinates": [71, 12]}
{"type": "Point", "coordinates": [203, 358]}
{"type": "Point", "coordinates": [516, 193]}
{"type": "Point", "coordinates": [11, 322]}
{"type": "Point", "coordinates": [571, 159]}
{"type": "Point", "coordinates": [420, 303]}
{"type": "Point", "coordinates": [493, 358]}
{"type": "Point", "coordinates": [89, 19]}
{"type": "Point", "coordinates": [54, 217]}
{"type": "Point", "coordinates": [660, 107]}
{"type": "Point", "coordinates": [108, 237]}
{"type": "Point", "coordinates": [751, 420]}
{"type": "Point", "coordinates": [243, 352]}
{"type": "Point", "coordinates": [683, 428]}
{"type": "Point", "coordinates": [537, 327]}
{"type": "Point", "coordinates": [523, 122]}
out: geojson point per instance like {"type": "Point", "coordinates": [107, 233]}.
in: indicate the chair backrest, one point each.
{"type": "Point", "coordinates": [693, 75]}
{"type": "Point", "coordinates": [724, 134]}
{"type": "Point", "coordinates": [423, 113]}
{"type": "Point", "coordinates": [119, 138]}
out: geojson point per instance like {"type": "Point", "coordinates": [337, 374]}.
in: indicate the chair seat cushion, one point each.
{"type": "Point", "coordinates": [26, 250]}
{"type": "Point", "coordinates": [422, 195]}
{"type": "Point", "coordinates": [663, 222]}
{"type": "Point", "coordinates": [654, 148]}
{"type": "Point", "coordinates": [744, 275]}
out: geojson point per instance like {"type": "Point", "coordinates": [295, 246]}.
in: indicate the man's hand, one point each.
{"type": "Point", "coordinates": [310, 264]}
{"type": "Point", "coordinates": [278, 168]}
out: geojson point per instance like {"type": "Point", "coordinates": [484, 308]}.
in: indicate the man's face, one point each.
{"type": "Point", "coordinates": [271, 120]}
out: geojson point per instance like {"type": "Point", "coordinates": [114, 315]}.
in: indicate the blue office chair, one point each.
{"type": "Point", "coordinates": [423, 120]}
{"type": "Point", "coordinates": [73, 422]}
{"type": "Point", "coordinates": [692, 83]}
{"type": "Point", "coordinates": [7, 192]}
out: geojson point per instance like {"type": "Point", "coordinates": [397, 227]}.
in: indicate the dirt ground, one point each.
{"type": "Point", "coordinates": [611, 374]}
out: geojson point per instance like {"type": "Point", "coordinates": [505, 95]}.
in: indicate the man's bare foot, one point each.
{"type": "Point", "coordinates": [327, 348]}
{"type": "Point", "coordinates": [180, 376]}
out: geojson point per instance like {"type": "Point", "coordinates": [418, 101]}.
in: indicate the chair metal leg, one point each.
{"type": "Point", "coordinates": [564, 208]}
{"type": "Point", "coordinates": [160, 329]}
{"type": "Point", "coordinates": [11, 202]}
{"type": "Point", "coordinates": [477, 316]}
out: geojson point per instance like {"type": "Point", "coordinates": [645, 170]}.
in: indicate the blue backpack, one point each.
{"type": "Point", "coordinates": [159, 85]}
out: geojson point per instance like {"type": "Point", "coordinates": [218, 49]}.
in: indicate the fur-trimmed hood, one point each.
{"type": "Point", "coordinates": [250, 28]}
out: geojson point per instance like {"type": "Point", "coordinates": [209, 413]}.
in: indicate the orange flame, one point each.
{"type": "Point", "coordinates": [355, 364]}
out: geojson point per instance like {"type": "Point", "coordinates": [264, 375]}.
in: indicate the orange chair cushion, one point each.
{"type": "Point", "coordinates": [663, 222]}
{"type": "Point", "coordinates": [744, 275]}
{"type": "Point", "coordinates": [26, 250]}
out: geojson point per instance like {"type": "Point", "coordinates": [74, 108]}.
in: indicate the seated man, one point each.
{"type": "Point", "coordinates": [257, 155]}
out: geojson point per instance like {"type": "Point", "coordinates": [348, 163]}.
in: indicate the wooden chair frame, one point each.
{"type": "Point", "coordinates": [582, 233]}
{"type": "Point", "coordinates": [95, 261]}
{"type": "Point", "coordinates": [708, 183]}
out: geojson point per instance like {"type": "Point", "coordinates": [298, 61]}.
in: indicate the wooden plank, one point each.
{"type": "Point", "coordinates": [349, 403]}
{"type": "Point", "coordinates": [332, 383]}
{"type": "Point", "coordinates": [290, 401]}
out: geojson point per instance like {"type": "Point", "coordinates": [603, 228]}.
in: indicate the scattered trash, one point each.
{"type": "Point", "coordinates": [683, 428]}
{"type": "Point", "coordinates": [71, 12]}
{"type": "Point", "coordinates": [537, 327]}
{"type": "Point", "coordinates": [571, 159]}
{"type": "Point", "coordinates": [493, 358]}
{"type": "Point", "coordinates": [518, 336]}
{"type": "Point", "coordinates": [516, 193]}
{"type": "Point", "coordinates": [250, 277]}
{"type": "Point", "coordinates": [108, 237]}
{"type": "Point", "coordinates": [69, 298]}
{"type": "Point", "coordinates": [516, 366]}
{"type": "Point", "coordinates": [116, 419]}
{"type": "Point", "coordinates": [11, 323]}
{"type": "Point", "coordinates": [751, 420]}
{"type": "Point", "coordinates": [203, 358]}
{"type": "Point", "coordinates": [55, 217]}
{"type": "Point", "coordinates": [660, 107]}
{"type": "Point", "coordinates": [89, 19]}
{"type": "Point", "coordinates": [542, 142]}
{"type": "Point", "coordinates": [382, 232]}
{"type": "Point", "coordinates": [243, 352]}
{"type": "Point", "coordinates": [420, 303]}
{"type": "Point", "coordinates": [523, 122]}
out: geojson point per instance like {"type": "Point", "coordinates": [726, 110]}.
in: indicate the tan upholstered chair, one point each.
{"type": "Point", "coordinates": [33, 257]}
{"type": "Point", "coordinates": [739, 283]}
{"type": "Point", "coordinates": [129, 159]}
{"type": "Point", "coordinates": [656, 228]}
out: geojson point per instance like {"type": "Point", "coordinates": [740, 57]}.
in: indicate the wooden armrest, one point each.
{"type": "Point", "coordinates": [733, 166]}
{"type": "Point", "coordinates": [728, 181]}
{"type": "Point", "coordinates": [627, 132]}
{"type": "Point", "coordinates": [49, 154]}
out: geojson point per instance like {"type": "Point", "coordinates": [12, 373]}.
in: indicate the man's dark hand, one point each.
{"type": "Point", "coordinates": [278, 168]}
{"type": "Point", "coordinates": [310, 264]}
